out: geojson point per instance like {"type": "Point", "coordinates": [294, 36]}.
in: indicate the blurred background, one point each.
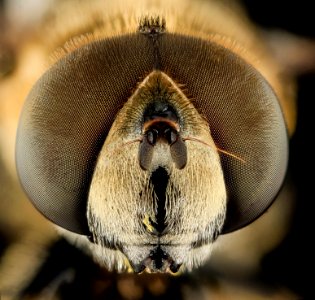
{"type": "Point", "coordinates": [290, 261]}
{"type": "Point", "coordinates": [267, 260]}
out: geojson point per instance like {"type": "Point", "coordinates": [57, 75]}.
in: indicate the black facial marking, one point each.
{"type": "Point", "coordinates": [157, 261]}
{"type": "Point", "coordinates": [159, 180]}
{"type": "Point", "coordinates": [158, 257]}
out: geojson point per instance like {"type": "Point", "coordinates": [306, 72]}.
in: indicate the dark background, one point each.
{"type": "Point", "coordinates": [292, 262]}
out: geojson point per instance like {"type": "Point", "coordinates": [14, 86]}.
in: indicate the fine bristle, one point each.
{"type": "Point", "coordinates": [152, 25]}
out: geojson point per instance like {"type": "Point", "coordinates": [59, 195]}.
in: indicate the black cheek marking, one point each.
{"type": "Point", "coordinates": [145, 154]}
{"type": "Point", "coordinates": [139, 268]}
{"type": "Point", "coordinates": [104, 242]}
{"type": "Point", "coordinates": [174, 267]}
{"type": "Point", "coordinates": [179, 153]}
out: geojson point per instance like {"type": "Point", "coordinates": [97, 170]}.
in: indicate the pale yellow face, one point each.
{"type": "Point", "coordinates": [157, 200]}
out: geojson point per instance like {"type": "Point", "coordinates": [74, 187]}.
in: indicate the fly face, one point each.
{"type": "Point", "coordinates": [158, 193]}
{"type": "Point", "coordinates": [145, 182]}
